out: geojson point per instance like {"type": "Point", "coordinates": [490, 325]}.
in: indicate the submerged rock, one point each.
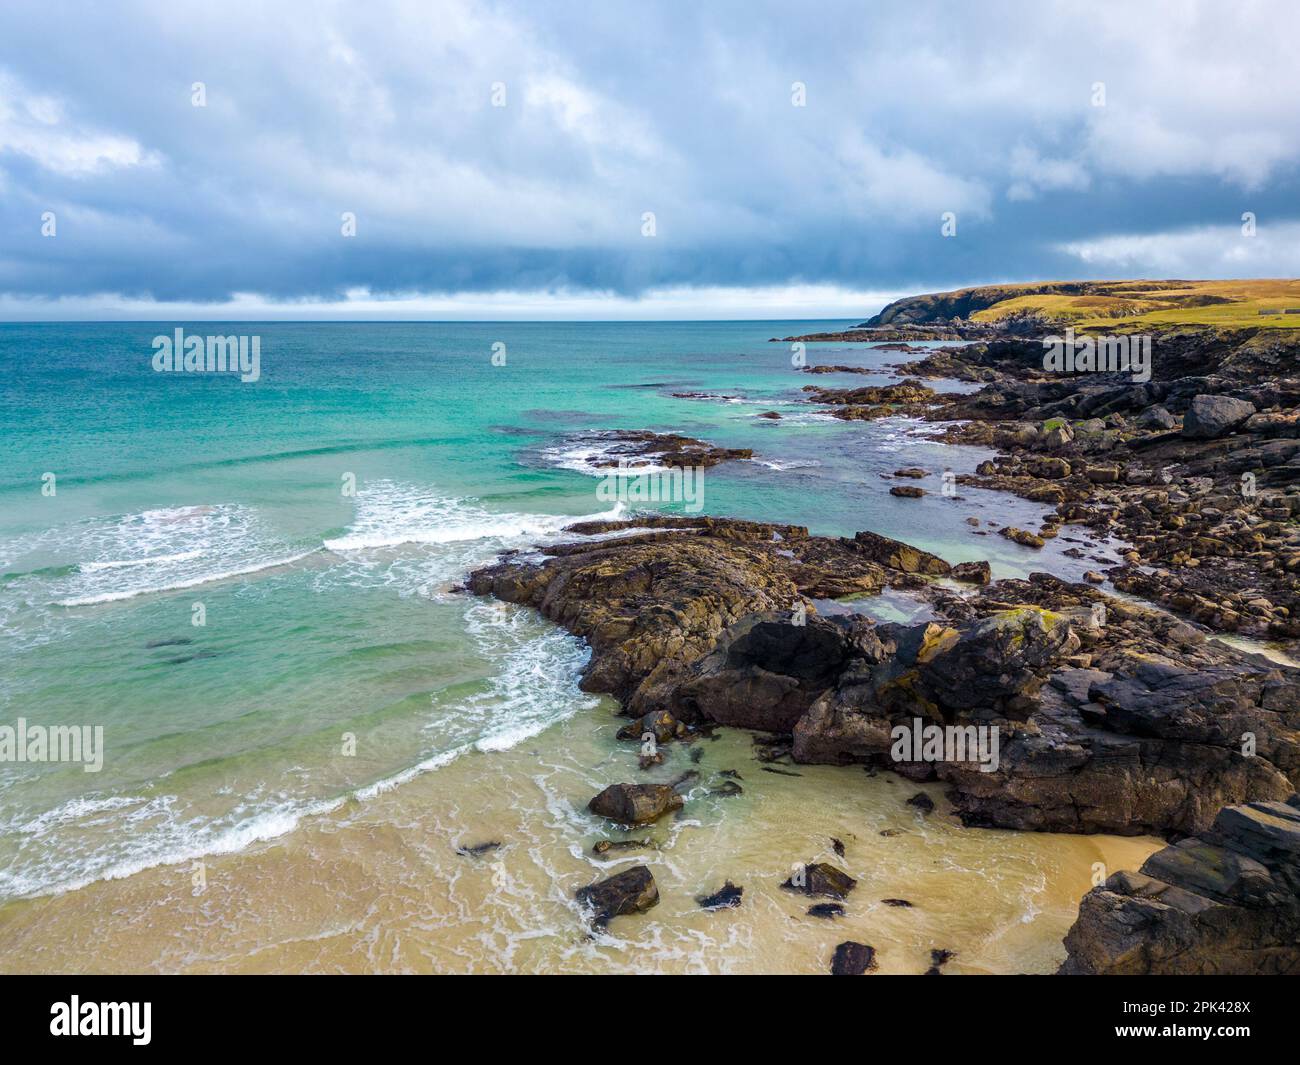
{"type": "Point", "coordinates": [604, 846]}
{"type": "Point", "coordinates": [922, 802]}
{"type": "Point", "coordinates": [726, 897]}
{"type": "Point", "coordinates": [631, 891]}
{"type": "Point", "coordinates": [826, 910]}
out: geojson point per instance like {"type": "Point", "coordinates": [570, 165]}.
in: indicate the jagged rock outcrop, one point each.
{"type": "Point", "coordinates": [651, 603]}
{"type": "Point", "coordinates": [1208, 507]}
{"type": "Point", "coordinates": [1132, 724]}
{"type": "Point", "coordinates": [1225, 902]}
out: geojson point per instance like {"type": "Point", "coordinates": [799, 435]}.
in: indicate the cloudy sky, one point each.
{"type": "Point", "coordinates": [1068, 140]}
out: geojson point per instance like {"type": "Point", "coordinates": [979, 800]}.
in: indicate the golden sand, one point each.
{"type": "Point", "coordinates": [378, 886]}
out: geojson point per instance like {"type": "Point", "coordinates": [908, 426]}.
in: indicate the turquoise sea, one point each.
{"type": "Point", "coordinates": [329, 619]}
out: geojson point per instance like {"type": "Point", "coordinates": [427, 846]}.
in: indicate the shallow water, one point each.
{"type": "Point", "coordinates": [342, 717]}
{"type": "Point", "coordinates": [378, 886]}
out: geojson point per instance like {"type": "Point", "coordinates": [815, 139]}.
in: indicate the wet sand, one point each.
{"type": "Point", "coordinates": [378, 886]}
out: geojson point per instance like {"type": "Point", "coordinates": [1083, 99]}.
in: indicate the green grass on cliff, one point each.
{"type": "Point", "coordinates": [1120, 306]}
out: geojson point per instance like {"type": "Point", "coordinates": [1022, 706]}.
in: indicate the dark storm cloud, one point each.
{"type": "Point", "coordinates": [613, 110]}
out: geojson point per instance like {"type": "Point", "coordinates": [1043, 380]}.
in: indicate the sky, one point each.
{"type": "Point", "coordinates": [444, 160]}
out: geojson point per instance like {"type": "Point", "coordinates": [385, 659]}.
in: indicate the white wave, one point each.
{"type": "Point", "coordinates": [598, 453]}
{"type": "Point", "coordinates": [175, 586]}
{"type": "Point", "coordinates": [160, 550]}
{"type": "Point", "coordinates": [428, 765]}
{"type": "Point", "coordinates": [154, 835]}
{"type": "Point", "coordinates": [182, 556]}
{"type": "Point", "coordinates": [594, 460]}
{"type": "Point", "coordinates": [787, 464]}
{"type": "Point", "coordinates": [390, 514]}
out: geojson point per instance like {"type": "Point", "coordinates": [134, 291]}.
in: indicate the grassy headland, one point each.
{"type": "Point", "coordinates": [1110, 306]}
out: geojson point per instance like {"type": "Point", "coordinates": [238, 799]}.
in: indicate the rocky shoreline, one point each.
{"type": "Point", "coordinates": [1110, 716]}
{"type": "Point", "coordinates": [1198, 469]}
{"type": "Point", "coordinates": [1224, 902]}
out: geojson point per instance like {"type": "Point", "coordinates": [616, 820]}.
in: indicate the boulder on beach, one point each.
{"type": "Point", "coordinates": [631, 891]}
{"type": "Point", "coordinates": [972, 572]}
{"type": "Point", "coordinates": [821, 878]}
{"type": "Point", "coordinates": [635, 804]}
{"type": "Point", "coordinates": [1209, 417]}
{"type": "Point", "coordinates": [853, 959]}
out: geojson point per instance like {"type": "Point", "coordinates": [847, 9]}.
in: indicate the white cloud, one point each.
{"type": "Point", "coordinates": [1202, 252]}
{"type": "Point", "coordinates": [37, 126]}
{"type": "Point", "coordinates": [679, 302]}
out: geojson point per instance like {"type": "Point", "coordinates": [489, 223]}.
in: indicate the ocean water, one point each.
{"type": "Point", "coordinates": [335, 665]}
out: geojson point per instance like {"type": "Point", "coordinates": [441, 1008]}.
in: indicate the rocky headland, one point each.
{"type": "Point", "coordinates": [1111, 715]}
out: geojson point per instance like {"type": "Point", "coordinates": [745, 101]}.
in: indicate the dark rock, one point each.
{"type": "Point", "coordinates": [635, 804]}
{"type": "Point", "coordinates": [604, 846]}
{"type": "Point", "coordinates": [922, 802]}
{"type": "Point", "coordinates": [631, 891]}
{"type": "Point", "coordinates": [477, 850]}
{"type": "Point", "coordinates": [1209, 417]}
{"type": "Point", "coordinates": [1156, 418]}
{"type": "Point", "coordinates": [827, 910]}
{"type": "Point", "coordinates": [901, 903]}
{"type": "Point", "coordinates": [853, 959]}
{"type": "Point", "coordinates": [821, 879]}
{"type": "Point", "coordinates": [972, 572]}
{"type": "Point", "coordinates": [1225, 902]}
{"type": "Point", "coordinates": [665, 449]}
{"type": "Point", "coordinates": [726, 897]}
